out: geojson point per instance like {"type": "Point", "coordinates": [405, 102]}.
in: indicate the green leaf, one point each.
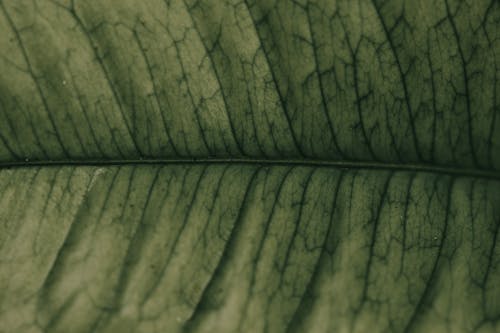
{"type": "Point", "coordinates": [255, 166]}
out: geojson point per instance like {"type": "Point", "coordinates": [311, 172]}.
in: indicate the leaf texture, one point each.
{"type": "Point", "coordinates": [249, 166]}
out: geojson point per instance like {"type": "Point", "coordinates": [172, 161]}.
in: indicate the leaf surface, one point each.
{"type": "Point", "coordinates": [255, 166]}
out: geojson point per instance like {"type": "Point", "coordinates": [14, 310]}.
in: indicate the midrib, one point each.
{"type": "Point", "coordinates": [415, 167]}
